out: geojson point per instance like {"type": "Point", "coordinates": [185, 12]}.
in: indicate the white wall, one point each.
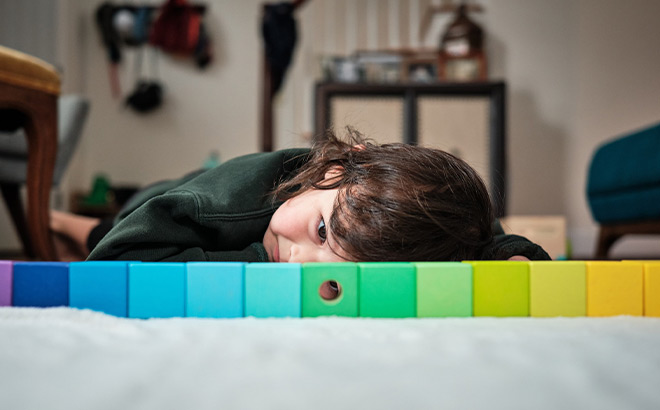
{"type": "Point", "coordinates": [204, 110]}
{"type": "Point", "coordinates": [578, 73]}
{"type": "Point", "coordinates": [617, 90]}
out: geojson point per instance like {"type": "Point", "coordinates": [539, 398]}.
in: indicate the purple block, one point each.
{"type": "Point", "coordinates": [5, 282]}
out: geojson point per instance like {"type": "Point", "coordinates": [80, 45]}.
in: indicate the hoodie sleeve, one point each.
{"type": "Point", "coordinates": [218, 215]}
{"type": "Point", "coordinates": [172, 228]}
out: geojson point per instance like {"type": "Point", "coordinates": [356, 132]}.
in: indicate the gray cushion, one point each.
{"type": "Point", "coordinates": [13, 144]}
{"type": "Point", "coordinates": [72, 113]}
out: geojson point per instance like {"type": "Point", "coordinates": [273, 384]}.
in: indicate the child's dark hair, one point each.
{"type": "Point", "coordinates": [398, 202]}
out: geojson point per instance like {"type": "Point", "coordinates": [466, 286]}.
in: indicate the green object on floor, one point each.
{"type": "Point", "coordinates": [100, 191]}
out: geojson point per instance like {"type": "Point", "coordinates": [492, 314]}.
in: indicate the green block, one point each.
{"type": "Point", "coordinates": [557, 289]}
{"type": "Point", "coordinates": [387, 289]}
{"type": "Point", "coordinates": [319, 277]}
{"type": "Point", "coordinates": [501, 288]}
{"type": "Point", "coordinates": [444, 289]}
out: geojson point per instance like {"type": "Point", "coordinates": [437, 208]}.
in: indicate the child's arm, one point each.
{"type": "Point", "coordinates": [173, 227]}
{"type": "Point", "coordinates": [218, 215]}
{"type": "Point", "coordinates": [513, 247]}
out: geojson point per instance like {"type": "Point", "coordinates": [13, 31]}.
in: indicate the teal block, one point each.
{"type": "Point", "coordinates": [214, 289]}
{"type": "Point", "coordinates": [273, 290]}
{"type": "Point", "coordinates": [387, 289]}
{"type": "Point", "coordinates": [99, 286]}
{"type": "Point", "coordinates": [156, 289]}
{"type": "Point", "coordinates": [317, 275]}
{"type": "Point", "coordinates": [444, 289]}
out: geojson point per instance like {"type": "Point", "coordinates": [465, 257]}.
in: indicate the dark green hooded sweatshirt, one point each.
{"type": "Point", "coordinates": [222, 214]}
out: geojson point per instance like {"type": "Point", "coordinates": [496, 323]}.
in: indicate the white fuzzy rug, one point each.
{"type": "Point", "coordinates": [63, 358]}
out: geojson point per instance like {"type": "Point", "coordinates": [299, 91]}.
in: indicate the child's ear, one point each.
{"type": "Point", "coordinates": [359, 147]}
{"type": "Point", "coordinates": [333, 173]}
{"type": "Point", "coordinates": [519, 258]}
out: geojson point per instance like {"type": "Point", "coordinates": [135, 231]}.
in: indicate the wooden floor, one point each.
{"type": "Point", "coordinates": [12, 255]}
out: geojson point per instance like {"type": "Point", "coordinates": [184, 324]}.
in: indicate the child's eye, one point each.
{"type": "Point", "coordinates": [321, 230]}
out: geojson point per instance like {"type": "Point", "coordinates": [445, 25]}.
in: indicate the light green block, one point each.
{"type": "Point", "coordinates": [444, 289]}
{"type": "Point", "coordinates": [500, 288]}
{"type": "Point", "coordinates": [387, 289]}
{"type": "Point", "coordinates": [314, 275]}
{"type": "Point", "coordinates": [557, 289]}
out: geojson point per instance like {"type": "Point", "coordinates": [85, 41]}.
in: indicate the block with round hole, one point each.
{"type": "Point", "coordinates": [329, 289]}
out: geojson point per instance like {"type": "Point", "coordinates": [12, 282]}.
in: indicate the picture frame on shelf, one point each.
{"type": "Point", "coordinates": [380, 67]}
{"type": "Point", "coordinates": [340, 69]}
{"type": "Point", "coordinates": [421, 68]}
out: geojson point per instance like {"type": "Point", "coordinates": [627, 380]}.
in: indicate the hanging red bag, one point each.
{"type": "Point", "coordinates": [177, 27]}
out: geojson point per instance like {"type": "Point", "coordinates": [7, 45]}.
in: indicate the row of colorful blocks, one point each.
{"type": "Point", "coordinates": [394, 290]}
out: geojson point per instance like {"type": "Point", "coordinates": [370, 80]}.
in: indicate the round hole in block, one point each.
{"type": "Point", "coordinates": [330, 290]}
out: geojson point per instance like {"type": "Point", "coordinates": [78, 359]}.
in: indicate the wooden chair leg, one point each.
{"type": "Point", "coordinates": [42, 151]}
{"type": "Point", "coordinates": [606, 239]}
{"type": "Point", "coordinates": [12, 196]}
{"type": "Point", "coordinates": [32, 87]}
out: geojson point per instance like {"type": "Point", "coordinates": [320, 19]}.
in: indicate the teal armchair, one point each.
{"type": "Point", "coordinates": [623, 187]}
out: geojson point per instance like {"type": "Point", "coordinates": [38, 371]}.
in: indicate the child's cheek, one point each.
{"type": "Point", "coordinates": [279, 221]}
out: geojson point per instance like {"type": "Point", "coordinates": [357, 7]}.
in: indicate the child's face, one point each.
{"type": "Point", "coordinates": [298, 231]}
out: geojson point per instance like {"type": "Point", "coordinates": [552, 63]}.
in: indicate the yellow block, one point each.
{"type": "Point", "coordinates": [500, 288]}
{"type": "Point", "coordinates": [557, 289]}
{"type": "Point", "coordinates": [652, 289]}
{"type": "Point", "coordinates": [615, 288]}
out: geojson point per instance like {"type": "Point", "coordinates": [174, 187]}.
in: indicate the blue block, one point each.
{"type": "Point", "coordinates": [156, 289]}
{"type": "Point", "coordinates": [41, 284]}
{"type": "Point", "coordinates": [273, 289]}
{"type": "Point", "coordinates": [100, 286]}
{"type": "Point", "coordinates": [214, 289]}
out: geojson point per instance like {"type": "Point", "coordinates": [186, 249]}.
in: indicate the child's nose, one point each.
{"type": "Point", "coordinates": [300, 253]}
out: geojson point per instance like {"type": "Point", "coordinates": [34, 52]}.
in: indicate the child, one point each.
{"type": "Point", "coordinates": [340, 201]}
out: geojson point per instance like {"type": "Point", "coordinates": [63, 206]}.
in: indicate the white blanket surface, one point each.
{"type": "Point", "coordinates": [63, 358]}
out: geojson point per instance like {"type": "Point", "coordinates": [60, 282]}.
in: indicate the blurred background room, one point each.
{"type": "Point", "coordinates": [574, 74]}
